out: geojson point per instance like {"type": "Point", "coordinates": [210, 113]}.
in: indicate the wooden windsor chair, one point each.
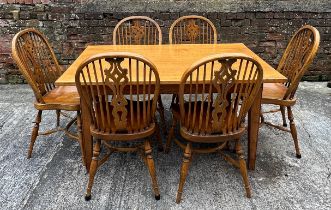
{"type": "Point", "coordinates": [215, 94]}
{"type": "Point", "coordinates": [295, 61]}
{"type": "Point", "coordinates": [192, 29]}
{"type": "Point", "coordinates": [140, 30]}
{"type": "Point", "coordinates": [120, 91]}
{"type": "Point", "coordinates": [39, 66]}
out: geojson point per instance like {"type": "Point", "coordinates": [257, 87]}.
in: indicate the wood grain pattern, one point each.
{"type": "Point", "coordinates": [172, 60]}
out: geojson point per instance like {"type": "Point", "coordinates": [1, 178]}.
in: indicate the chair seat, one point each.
{"type": "Point", "coordinates": [62, 97]}
{"type": "Point", "coordinates": [274, 93]}
{"type": "Point", "coordinates": [206, 134]}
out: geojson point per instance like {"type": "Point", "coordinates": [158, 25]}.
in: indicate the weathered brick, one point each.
{"type": "Point", "coordinates": [264, 15]}
{"type": "Point", "coordinates": [275, 36]}
{"type": "Point", "coordinates": [70, 30]}
{"type": "Point", "coordinates": [244, 22]}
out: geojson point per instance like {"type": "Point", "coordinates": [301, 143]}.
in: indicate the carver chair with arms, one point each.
{"type": "Point", "coordinates": [140, 30]}
{"type": "Point", "coordinates": [120, 90]}
{"type": "Point", "coordinates": [295, 61]}
{"type": "Point", "coordinates": [215, 95]}
{"type": "Point", "coordinates": [39, 66]}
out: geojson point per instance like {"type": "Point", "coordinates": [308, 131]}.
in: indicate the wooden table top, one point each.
{"type": "Point", "coordinates": [171, 60]}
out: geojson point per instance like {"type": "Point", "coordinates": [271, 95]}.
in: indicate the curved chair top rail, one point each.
{"type": "Point", "coordinates": [297, 57]}
{"type": "Point", "coordinates": [137, 30]}
{"type": "Point", "coordinates": [36, 61]}
{"type": "Point", "coordinates": [120, 90]}
{"type": "Point", "coordinates": [192, 29]}
{"type": "Point", "coordinates": [216, 93]}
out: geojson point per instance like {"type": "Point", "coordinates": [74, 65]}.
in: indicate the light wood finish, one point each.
{"type": "Point", "coordinates": [142, 30]}
{"type": "Point", "coordinates": [39, 66]}
{"type": "Point", "coordinates": [295, 61]}
{"type": "Point", "coordinates": [213, 102]}
{"type": "Point", "coordinates": [192, 29]}
{"type": "Point", "coordinates": [135, 30]}
{"type": "Point", "coordinates": [121, 104]}
{"type": "Point", "coordinates": [172, 61]}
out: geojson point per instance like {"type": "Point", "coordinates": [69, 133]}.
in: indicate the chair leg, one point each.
{"type": "Point", "coordinates": [170, 135]}
{"type": "Point", "coordinates": [174, 98]}
{"type": "Point", "coordinates": [161, 111]}
{"type": "Point", "coordinates": [93, 169]}
{"type": "Point", "coordinates": [282, 110]}
{"type": "Point", "coordinates": [34, 132]}
{"type": "Point", "coordinates": [158, 137]}
{"type": "Point", "coordinates": [243, 169]}
{"type": "Point", "coordinates": [58, 117]}
{"type": "Point", "coordinates": [184, 170]}
{"type": "Point", "coordinates": [262, 118]}
{"type": "Point", "coordinates": [293, 132]}
{"type": "Point", "coordinates": [151, 168]}
{"type": "Point", "coordinates": [80, 137]}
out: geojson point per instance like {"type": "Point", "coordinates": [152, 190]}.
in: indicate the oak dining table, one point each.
{"type": "Point", "coordinates": [172, 61]}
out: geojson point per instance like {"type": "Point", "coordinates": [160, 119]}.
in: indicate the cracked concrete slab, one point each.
{"type": "Point", "coordinates": [54, 177]}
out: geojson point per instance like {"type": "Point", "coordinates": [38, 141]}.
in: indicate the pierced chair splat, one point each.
{"type": "Point", "coordinates": [140, 30]}
{"type": "Point", "coordinates": [120, 90]}
{"type": "Point", "coordinates": [39, 66]}
{"type": "Point", "coordinates": [295, 61]}
{"type": "Point", "coordinates": [215, 95]}
{"type": "Point", "coordinates": [192, 29]}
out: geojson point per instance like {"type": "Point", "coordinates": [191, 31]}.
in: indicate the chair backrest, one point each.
{"type": "Point", "coordinates": [218, 90]}
{"type": "Point", "coordinates": [36, 61]}
{"type": "Point", "coordinates": [111, 85]}
{"type": "Point", "coordinates": [297, 57]}
{"type": "Point", "coordinates": [192, 29]}
{"type": "Point", "coordinates": [135, 30]}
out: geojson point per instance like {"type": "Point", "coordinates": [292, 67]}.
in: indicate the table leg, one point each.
{"type": "Point", "coordinates": [87, 138]}
{"type": "Point", "coordinates": [253, 129]}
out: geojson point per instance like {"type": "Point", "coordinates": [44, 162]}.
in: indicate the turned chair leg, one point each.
{"type": "Point", "coordinates": [158, 137]}
{"type": "Point", "coordinates": [80, 137]}
{"type": "Point", "coordinates": [93, 169]}
{"type": "Point", "coordinates": [151, 168]}
{"type": "Point", "coordinates": [58, 114]}
{"type": "Point", "coordinates": [282, 110]}
{"type": "Point", "coordinates": [161, 111]}
{"type": "Point", "coordinates": [243, 169]}
{"type": "Point", "coordinates": [174, 99]}
{"type": "Point", "coordinates": [34, 132]}
{"type": "Point", "coordinates": [184, 170]}
{"type": "Point", "coordinates": [170, 135]}
{"type": "Point", "coordinates": [293, 132]}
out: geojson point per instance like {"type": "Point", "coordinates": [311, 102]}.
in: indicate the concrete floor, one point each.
{"type": "Point", "coordinates": [54, 177]}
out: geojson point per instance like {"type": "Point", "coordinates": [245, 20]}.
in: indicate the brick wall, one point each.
{"type": "Point", "coordinates": [71, 25]}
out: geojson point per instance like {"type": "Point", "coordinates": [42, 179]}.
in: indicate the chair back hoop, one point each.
{"type": "Point", "coordinates": [36, 61]}
{"type": "Point", "coordinates": [297, 57]}
{"type": "Point", "coordinates": [137, 30]}
{"type": "Point", "coordinates": [120, 90]}
{"type": "Point", "coordinates": [216, 93]}
{"type": "Point", "coordinates": [192, 29]}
